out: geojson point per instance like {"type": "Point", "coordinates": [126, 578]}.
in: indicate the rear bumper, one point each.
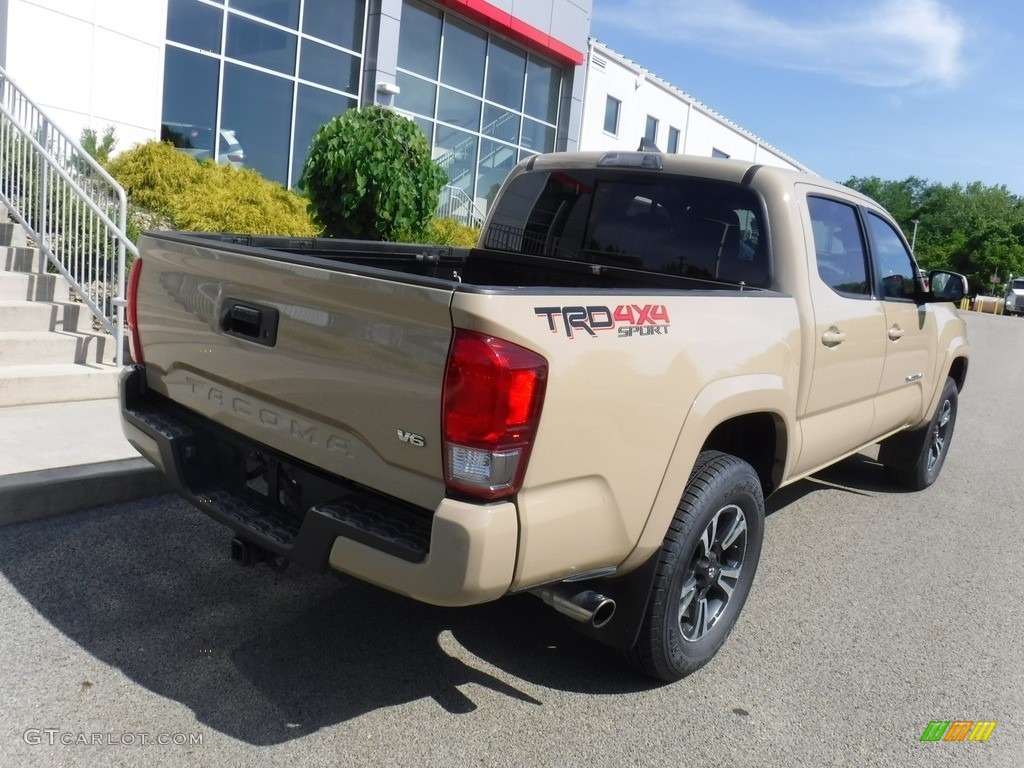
{"type": "Point", "coordinates": [458, 554]}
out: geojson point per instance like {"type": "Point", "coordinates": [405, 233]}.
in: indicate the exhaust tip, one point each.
{"type": "Point", "coordinates": [586, 607]}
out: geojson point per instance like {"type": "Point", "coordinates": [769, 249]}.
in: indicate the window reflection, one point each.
{"type": "Point", "coordinates": [283, 12]}
{"type": "Point", "coordinates": [315, 107]}
{"type": "Point", "coordinates": [455, 152]}
{"type": "Point", "coordinates": [462, 61]}
{"type": "Point", "coordinates": [261, 45]}
{"type": "Point", "coordinates": [190, 101]}
{"type": "Point", "coordinates": [336, 21]}
{"type": "Point", "coordinates": [419, 50]}
{"type": "Point", "coordinates": [543, 82]}
{"type": "Point", "coordinates": [329, 66]}
{"type": "Point", "coordinates": [194, 24]}
{"type": "Point", "coordinates": [257, 108]}
{"type": "Point", "coordinates": [458, 109]}
{"type": "Point", "coordinates": [506, 74]}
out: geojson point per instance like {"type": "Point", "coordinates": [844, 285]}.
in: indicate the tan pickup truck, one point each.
{"type": "Point", "coordinates": [590, 406]}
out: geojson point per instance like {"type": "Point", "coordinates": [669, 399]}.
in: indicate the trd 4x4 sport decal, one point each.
{"type": "Point", "coordinates": [626, 319]}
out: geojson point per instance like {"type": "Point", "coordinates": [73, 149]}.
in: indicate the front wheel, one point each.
{"type": "Point", "coordinates": [705, 570]}
{"type": "Point", "coordinates": [915, 459]}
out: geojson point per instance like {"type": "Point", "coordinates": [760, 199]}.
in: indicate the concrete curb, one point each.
{"type": "Point", "coordinates": [36, 495]}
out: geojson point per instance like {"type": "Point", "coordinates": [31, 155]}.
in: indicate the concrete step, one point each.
{"type": "Point", "coordinates": [18, 315]}
{"type": "Point", "coordinates": [14, 259]}
{"type": "Point", "coordinates": [33, 287]}
{"type": "Point", "coordinates": [12, 233]}
{"type": "Point", "coordinates": [46, 347]}
{"type": "Point", "coordinates": [57, 383]}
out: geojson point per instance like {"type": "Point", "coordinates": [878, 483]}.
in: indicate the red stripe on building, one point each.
{"type": "Point", "coordinates": [506, 24]}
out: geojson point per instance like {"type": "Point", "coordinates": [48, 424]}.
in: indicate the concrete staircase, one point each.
{"type": "Point", "coordinates": [49, 351]}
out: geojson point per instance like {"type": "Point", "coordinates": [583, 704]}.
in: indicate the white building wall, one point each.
{"type": "Point", "coordinates": [642, 93]}
{"type": "Point", "coordinates": [91, 63]}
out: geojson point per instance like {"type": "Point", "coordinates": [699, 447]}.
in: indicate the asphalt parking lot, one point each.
{"type": "Point", "coordinates": [130, 638]}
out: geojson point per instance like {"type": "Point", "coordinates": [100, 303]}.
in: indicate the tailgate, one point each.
{"type": "Point", "coordinates": [340, 369]}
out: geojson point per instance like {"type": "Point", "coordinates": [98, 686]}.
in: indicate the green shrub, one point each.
{"type": "Point", "coordinates": [369, 175]}
{"type": "Point", "coordinates": [99, 148]}
{"type": "Point", "coordinates": [206, 197]}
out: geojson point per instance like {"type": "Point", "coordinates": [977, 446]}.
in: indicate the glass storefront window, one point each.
{"type": "Point", "coordinates": [543, 83]}
{"type": "Point", "coordinates": [455, 151]}
{"type": "Point", "coordinates": [194, 24]}
{"type": "Point", "coordinates": [462, 58]}
{"type": "Point", "coordinates": [458, 109]}
{"type": "Point", "coordinates": [444, 56]}
{"type": "Point", "coordinates": [501, 124]}
{"type": "Point", "coordinates": [260, 44]}
{"type": "Point", "coordinates": [496, 161]}
{"type": "Point", "coordinates": [538, 137]}
{"type": "Point", "coordinates": [266, 120]}
{"type": "Point", "coordinates": [257, 107]}
{"type": "Point", "coordinates": [416, 95]}
{"type": "Point", "coordinates": [329, 66]}
{"type": "Point", "coordinates": [283, 12]}
{"type": "Point", "coordinates": [420, 36]}
{"type": "Point", "coordinates": [336, 21]}
{"type": "Point", "coordinates": [190, 101]}
{"type": "Point", "coordinates": [506, 73]}
{"type": "Point", "coordinates": [315, 107]}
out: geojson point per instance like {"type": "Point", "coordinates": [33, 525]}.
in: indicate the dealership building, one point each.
{"type": "Point", "coordinates": [249, 81]}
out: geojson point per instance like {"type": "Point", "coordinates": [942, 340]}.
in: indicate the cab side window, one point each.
{"type": "Point", "coordinates": [896, 267]}
{"type": "Point", "coordinates": [839, 247]}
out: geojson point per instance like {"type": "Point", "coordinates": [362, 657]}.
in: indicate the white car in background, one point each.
{"type": "Point", "coordinates": [196, 140]}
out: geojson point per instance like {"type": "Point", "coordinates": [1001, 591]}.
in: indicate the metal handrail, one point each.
{"type": "Point", "coordinates": [456, 204]}
{"type": "Point", "coordinates": [73, 210]}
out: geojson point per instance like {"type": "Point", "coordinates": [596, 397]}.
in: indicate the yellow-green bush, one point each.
{"type": "Point", "coordinates": [227, 199]}
{"type": "Point", "coordinates": [206, 197]}
{"type": "Point", "coordinates": [154, 174]}
{"type": "Point", "coordinates": [451, 232]}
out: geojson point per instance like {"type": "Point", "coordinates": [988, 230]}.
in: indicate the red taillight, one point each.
{"type": "Point", "coordinates": [131, 316]}
{"type": "Point", "coordinates": [493, 391]}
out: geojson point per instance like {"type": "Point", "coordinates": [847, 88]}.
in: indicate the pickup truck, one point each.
{"type": "Point", "coordinates": [590, 406]}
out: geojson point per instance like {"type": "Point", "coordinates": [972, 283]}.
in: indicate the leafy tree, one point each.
{"type": "Point", "coordinates": [369, 175]}
{"type": "Point", "coordinates": [975, 229]}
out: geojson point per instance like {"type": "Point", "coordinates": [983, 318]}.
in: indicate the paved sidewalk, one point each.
{"type": "Point", "coordinates": [63, 457]}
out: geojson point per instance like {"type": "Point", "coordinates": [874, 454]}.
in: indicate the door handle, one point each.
{"type": "Point", "coordinates": [833, 337]}
{"type": "Point", "coordinates": [895, 333]}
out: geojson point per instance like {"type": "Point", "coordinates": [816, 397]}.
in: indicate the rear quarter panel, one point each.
{"type": "Point", "coordinates": [616, 401]}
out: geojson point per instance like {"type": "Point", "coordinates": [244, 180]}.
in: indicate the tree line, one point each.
{"type": "Point", "coordinates": [976, 230]}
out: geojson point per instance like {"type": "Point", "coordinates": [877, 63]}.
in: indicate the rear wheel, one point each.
{"type": "Point", "coordinates": [705, 570]}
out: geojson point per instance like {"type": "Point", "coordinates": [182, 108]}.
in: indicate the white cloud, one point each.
{"type": "Point", "coordinates": [884, 43]}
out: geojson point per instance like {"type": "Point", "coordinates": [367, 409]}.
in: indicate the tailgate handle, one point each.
{"type": "Point", "coordinates": [251, 322]}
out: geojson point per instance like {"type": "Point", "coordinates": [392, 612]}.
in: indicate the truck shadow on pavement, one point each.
{"type": "Point", "coordinates": [859, 474]}
{"type": "Point", "coordinates": [267, 657]}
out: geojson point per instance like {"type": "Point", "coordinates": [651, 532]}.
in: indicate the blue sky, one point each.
{"type": "Point", "coordinates": [888, 88]}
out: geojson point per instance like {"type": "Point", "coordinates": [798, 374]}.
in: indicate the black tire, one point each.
{"type": "Point", "coordinates": [705, 570]}
{"type": "Point", "coordinates": [915, 459]}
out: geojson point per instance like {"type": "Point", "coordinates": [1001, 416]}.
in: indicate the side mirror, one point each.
{"type": "Point", "coordinates": [947, 286]}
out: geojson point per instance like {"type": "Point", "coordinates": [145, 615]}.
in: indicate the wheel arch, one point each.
{"type": "Point", "coordinates": [750, 417]}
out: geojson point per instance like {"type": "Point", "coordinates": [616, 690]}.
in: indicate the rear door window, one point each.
{"type": "Point", "coordinates": [839, 247]}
